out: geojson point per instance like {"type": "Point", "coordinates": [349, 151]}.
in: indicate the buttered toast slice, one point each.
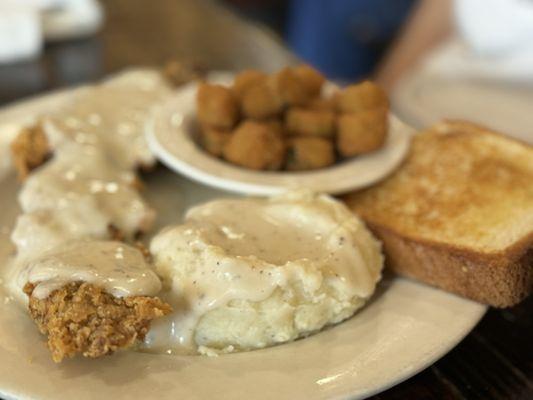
{"type": "Point", "coordinates": [458, 214]}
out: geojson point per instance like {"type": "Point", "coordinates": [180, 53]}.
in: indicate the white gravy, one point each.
{"type": "Point", "coordinates": [98, 141]}
{"type": "Point", "coordinates": [86, 184]}
{"type": "Point", "coordinates": [118, 268]}
{"type": "Point", "coordinates": [41, 230]}
{"type": "Point", "coordinates": [111, 117]}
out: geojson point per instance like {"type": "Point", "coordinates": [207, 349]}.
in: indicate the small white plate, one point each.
{"type": "Point", "coordinates": [170, 137]}
{"type": "Point", "coordinates": [405, 327]}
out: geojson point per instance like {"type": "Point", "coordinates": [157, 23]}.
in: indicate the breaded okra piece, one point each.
{"type": "Point", "coordinates": [306, 153]}
{"type": "Point", "coordinates": [256, 146]}
{"type": "Point", "coordinates": [300, 121]}
{"type": "Point", "coordinates": [217, 106]}
{"type": "Point", "coordinates": [246, 79]}
{"type": "Point", "coordinates": [311, 78]}
{"type": "Point", "coordinates": [363, 96]}
{"type": "Point", "coordinates": [290, 87]}
{"type": "Point", "coordinates": [260, 100]}
{"type": "Point", "coordinates": [361, 132]}
{"type": "Point", "coordinates": [213, 140]}
{"type": "Point", "coordinates": [323, 104]}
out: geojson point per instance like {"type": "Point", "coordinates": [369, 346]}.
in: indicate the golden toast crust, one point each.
{"type": "Point", "coordinates": [455, 228]}
{"type": "Point", "coordinates": [500, 281]}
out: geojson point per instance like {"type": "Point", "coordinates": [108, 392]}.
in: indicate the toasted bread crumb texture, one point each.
{"type": "Point", "coordinates": [82, 318]}
{"type": "Point", "coordinates": [461, 185]}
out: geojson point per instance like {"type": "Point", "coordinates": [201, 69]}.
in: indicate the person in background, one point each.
{"type": "Point", "coordinates": [345, 39]}
{"type": "Point", "coordinates": [464, 59]}
{"type": "Point", "coordinates": [429, 23]}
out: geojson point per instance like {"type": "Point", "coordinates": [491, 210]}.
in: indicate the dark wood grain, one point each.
{"type": "Point", "coordinates": [494, 362]}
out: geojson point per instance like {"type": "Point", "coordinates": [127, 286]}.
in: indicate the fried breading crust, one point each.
{"type": "Point", "coordinates": [29, 150]}
{"type": "Point", "coordinates": [178, 73]}
{"type": "Point", "coordinates": [305, 153]}
{"type": "Point", "coordinates": [82, 318]}
{"type": "Point", "coordinates": [217, 106]}
{"type": "Point", "coordinates": [256, 146]}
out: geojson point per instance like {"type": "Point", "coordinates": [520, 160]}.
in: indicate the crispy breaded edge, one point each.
{"type": "Point", "coordinates": [29, 150]}
{"type": "Point", "coordinates": [81, 318]}
{"type": "Point", "coordinates": [178, 73]}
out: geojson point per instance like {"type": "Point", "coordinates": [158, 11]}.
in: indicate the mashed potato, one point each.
{"type": "Point", "coordinates": [250, 273]}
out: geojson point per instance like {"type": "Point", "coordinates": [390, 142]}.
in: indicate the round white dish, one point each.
{"type": "Point", "coordinates": [170, 137]}
{"type": "Point", "coordinates": [405, 328]}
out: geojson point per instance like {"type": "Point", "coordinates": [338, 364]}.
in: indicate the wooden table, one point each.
{"type": "Point", "coordinates": [495, 361]}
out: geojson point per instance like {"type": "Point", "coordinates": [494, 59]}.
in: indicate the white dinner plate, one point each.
{"type": "Point", "coordinates": [171, 138]}
{"type": "Point", "coordinates": [405, 327]}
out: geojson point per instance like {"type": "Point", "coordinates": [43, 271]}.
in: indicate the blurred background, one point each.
{"type": "Point", "coordinates": [470, 59]}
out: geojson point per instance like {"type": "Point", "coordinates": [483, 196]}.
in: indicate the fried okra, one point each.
{"type": "Point", "coordinates": [290, 87]}
{"type": "Point", "coordinates": [275, 125]}
{"type": "Point", "coordinates": [256, 146]}
{"type": "Point", "coordinates": [246, 79]}
{"type": "Point", "coordinates": [362, 97]}
{"type": "Point", "coordinates": [311, 78]}
{"type": "Point", "coordinates": [217, 106]}
{"type": "Point", "coordinates": [323, 104]}
{"type": "Point", "coordinates": [299, 121]}
{"type": "Point", "coordinates": [260, 100]}
{"type": "Point", "coordinates": [361, 132]}
{"type": "Point", "coordinates": [213, 140]}
{"type": "Point", "coordinates": [306, 153]}
{"type": "Point", "coordinates": [29, 150]}
{"type": "Point", "coordinates": [278, 111]}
